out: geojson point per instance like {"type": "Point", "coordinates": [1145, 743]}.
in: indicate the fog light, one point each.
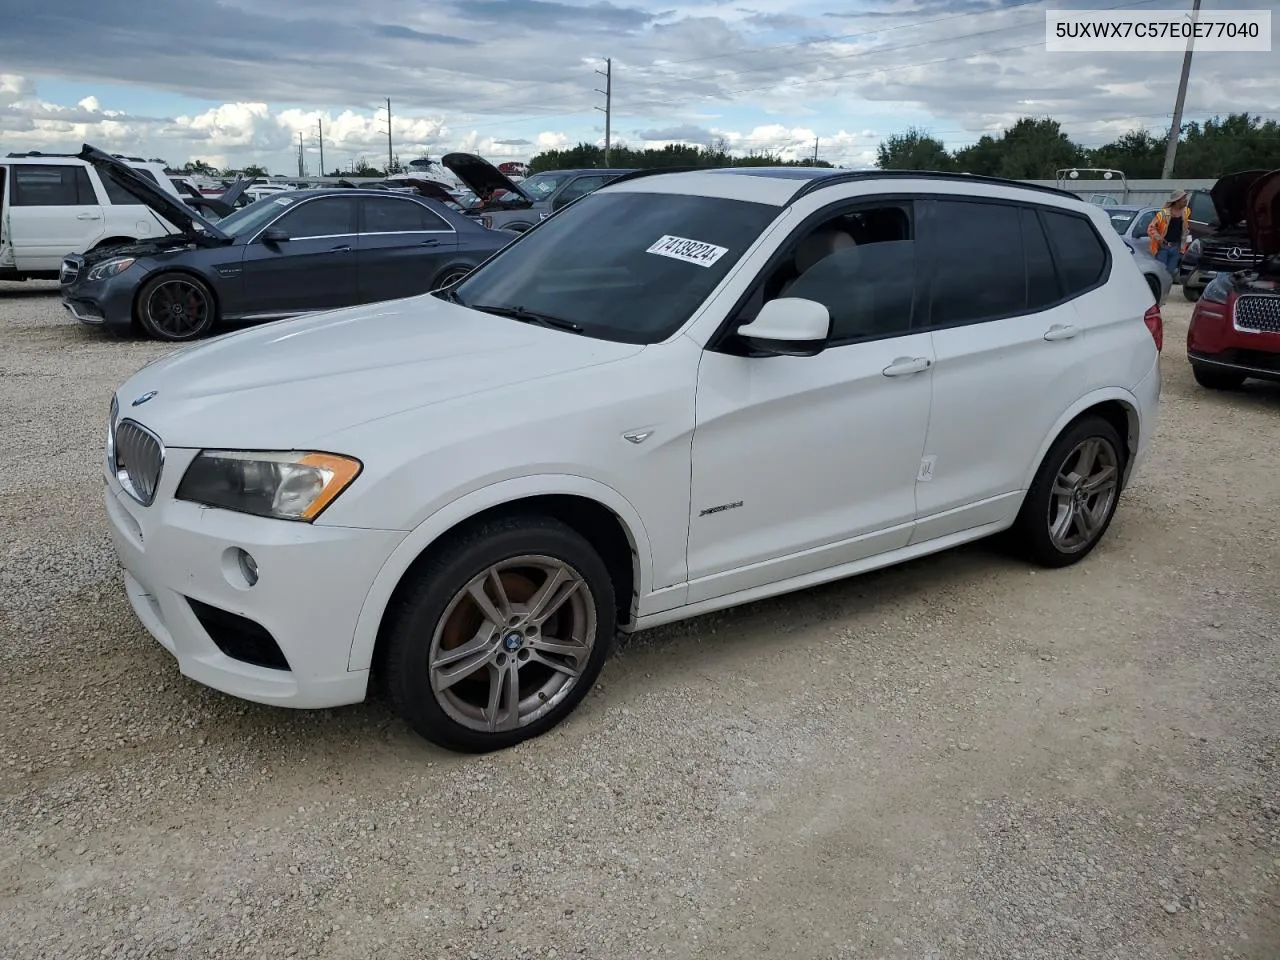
{"type": "Point", "coordinates": [248, 567]}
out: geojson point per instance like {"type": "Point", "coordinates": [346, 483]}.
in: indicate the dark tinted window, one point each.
{"type": "Point", "coordinates": [869, 289]}
{"type": "Point", "coordinates": [62, 185]}
{"type": "Point", "coordinates": [1121, 220]}
{"type": "Point", "coordinates": [1202, 207]}
{"type": "Point", "coordinates": [1144, 221]}
{"type": "Point", "coordinates": [580, 188]}
{"type": "Point", "coordinates": [326, 217]}
{"type": "Point", "coordinates": [979, 263]}
{"type": "Point", "coordinates": [630, 267]}
{"type": "Point", "coordinates": [1079, 252]}
{"type": "Point", "coordinates": [392, 215]}
{"type": "Point", "coordinates": [1042, 279]}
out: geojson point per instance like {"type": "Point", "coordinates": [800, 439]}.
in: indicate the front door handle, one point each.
{"type": "Point", "coordinates": [428, 243]}
{"type": "Point", "coordinates": [1061, 331]}
{"type": "Point", "coordinates": [89, 216]}
{"type": "Point", "coordinates": [341, 248]}
{"type": "Point", "coordinates": [905, 366]}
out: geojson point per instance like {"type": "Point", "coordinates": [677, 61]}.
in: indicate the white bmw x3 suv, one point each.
{"type": "Point", "coordinates": [682, 392]}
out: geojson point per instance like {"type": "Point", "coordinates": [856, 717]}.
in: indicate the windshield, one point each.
{"type": "Point", "coordinates": [246, 221]}
{"type": "Point", "coordinates": [543, 185]}
{"type": "Point", "coordinates": [1122, 218]}
{"type": "Point", "coordinates": [630, 267]}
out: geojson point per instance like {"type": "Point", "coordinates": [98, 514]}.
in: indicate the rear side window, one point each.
{"type": "Point", "coordinates": [1042, 279]}
{"type": "Point", "coordinates": [980, 268]}
{"type": "Point", "coordinates": [63, 185]}
{"type": "Point", "coordinates": [395, 215]}
{"type": "Point", "coordinates": [1079, 251]}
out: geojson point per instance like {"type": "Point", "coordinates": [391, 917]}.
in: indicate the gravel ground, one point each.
{"type": "Point", "coordinates": [960, 757]}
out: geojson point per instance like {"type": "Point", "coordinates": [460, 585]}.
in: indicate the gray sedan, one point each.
{"type": "Point", "coordinates": [1131, 223]}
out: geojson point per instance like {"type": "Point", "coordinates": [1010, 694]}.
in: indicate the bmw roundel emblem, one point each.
{"type": "Point", "coordinates": [145, 397]}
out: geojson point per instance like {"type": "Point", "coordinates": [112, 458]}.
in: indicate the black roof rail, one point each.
{"type": "Point", "coordinates": [851, 176]}
{"type": "Point", "coordinates": [651, 171]}
{"type": "Point", "coordinates": [37, 153]}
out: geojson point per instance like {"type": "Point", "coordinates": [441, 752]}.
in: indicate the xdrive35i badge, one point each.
{"type": "Point", "coordinates": [144, 398]}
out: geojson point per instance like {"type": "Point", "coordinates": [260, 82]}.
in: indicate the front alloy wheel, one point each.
{"type": "Point", "coordinates": [500, 634]}
{"type": "Point", "coordinates": [176, 308]}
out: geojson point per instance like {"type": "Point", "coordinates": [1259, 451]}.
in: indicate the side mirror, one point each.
{"type": "Point", "coordinates": [275, 235]}
{"type": "Point", "coordinates": [789, 327]}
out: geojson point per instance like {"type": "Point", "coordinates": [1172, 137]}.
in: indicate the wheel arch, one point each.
{"type": "Point", "coordinates": [1118, 407]}
{"type": "Point", "coordinates": [167, 270]}
{"type": "Point", "coordinates": [600, 514]}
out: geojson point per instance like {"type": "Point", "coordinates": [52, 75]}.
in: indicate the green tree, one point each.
{"type": "Point", "coordinates": [1139, 154]}
{"type": "Point", "coordinates": [913, 150]}
{"type": "Point", "coordinates": [1221, 146]}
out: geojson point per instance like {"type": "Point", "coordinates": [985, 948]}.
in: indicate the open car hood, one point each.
{"type": "Point", "coordinates": [168, 206]}
{"type": "Point", "coordinates": [480, 175]}
{"type": "Point", "coordinates": [1264, 214]}
{"type": "Point", "coordinates": [1230, 196]}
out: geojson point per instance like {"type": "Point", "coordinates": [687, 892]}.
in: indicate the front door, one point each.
{"type": "Point", "coordinates": [314, 269]}
{"type": "Point", "coordinates": [805, 463]}
{"type": "Point", "coordinates": [1012, 351]}
{"type": "Point", "coordinates": [404, 246]}
{"type": "Point", "coordinates": [53, 211]}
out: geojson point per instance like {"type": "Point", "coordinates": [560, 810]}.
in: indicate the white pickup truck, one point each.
{"type": "Point", "coordinates": [52, 205]}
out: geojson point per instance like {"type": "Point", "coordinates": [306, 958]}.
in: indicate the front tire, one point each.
{"type": "Point", "coordinates": [500, 634]}
{"type": "Point", "coordinates": [176, 307]}
{"type": "Point", "coordinates": [1074, 495]}
{"type": "Point", "coordinates": [1214, 379]}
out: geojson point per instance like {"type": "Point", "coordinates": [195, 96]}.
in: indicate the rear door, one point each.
{"type": "Point", "coordinates": [1012, 353]}
{"type": "Point", "coordinates": [403, 247]}
{"type": "Point", "coordinates": [53, 211]}
{"type": "Point", "coordinates": [315, 269]}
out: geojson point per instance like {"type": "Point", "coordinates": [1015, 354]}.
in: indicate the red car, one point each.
{"type": "Point", "coordinates": [1235, 328]}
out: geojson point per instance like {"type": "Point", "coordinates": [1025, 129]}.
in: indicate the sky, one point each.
{"type": "Point", "coordinates": [235, 82]}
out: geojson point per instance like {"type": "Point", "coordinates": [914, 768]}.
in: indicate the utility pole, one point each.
{"type": "Point", "coordinates": [389, 136]}
{"type": "Point", "coordinates": [320, 126]}
{"type": "Point", "coordinates": [1175, 130]}
{"type": "Point", "coordinates": [301, 170]}
{"type": "Point", "coordinates": [815, 151]}
{"type": "Point", "coordinates": [607, 109]}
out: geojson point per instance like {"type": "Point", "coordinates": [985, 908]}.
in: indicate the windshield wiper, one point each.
{"type": "Point", "coordinates": [529, 316]}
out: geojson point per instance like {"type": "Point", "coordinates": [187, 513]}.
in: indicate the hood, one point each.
{"type": "Point", "coordinates": [1230, 196]}
{"type": "Point", "coordinates": [137, 248]}
{"type": "Point", "coordinates": [480, 175]}
{"type": "Point", "coordinates": [324, 373]}
{"type": "Point", "coordinates": [1263, 216]}
{"type": "Point", "coordinates": [167, 205]}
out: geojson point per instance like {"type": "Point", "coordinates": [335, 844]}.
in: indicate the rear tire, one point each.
{"type": "Point", "coordinates": [1154, 284]}
{"type": "Point", "coordinates": [1074, 495]}
{"type": "Point", "coordinates": [1192, 293]}
{"type": "Point", "coordinates": [487, 592]}
{"type": "Point", "coordinates": [1213, 379]}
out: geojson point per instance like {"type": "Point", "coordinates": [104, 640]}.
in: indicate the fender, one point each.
{"type": "Point", "coordinates": [1093, 398]}
{"type": "Point", "coordinates": [465, 507]}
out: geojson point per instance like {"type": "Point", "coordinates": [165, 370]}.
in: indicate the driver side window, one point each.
{"type": "Point", "coordinates": [860, 264]}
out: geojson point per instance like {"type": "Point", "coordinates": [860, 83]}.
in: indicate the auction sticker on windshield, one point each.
{"type": "Point", "coordinates": [690, 251]}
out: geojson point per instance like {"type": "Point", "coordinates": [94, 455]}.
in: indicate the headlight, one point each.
{"type": "Point", "coordinates": [1218, 289]}
{"type": "Point", "coordinates": [109, 268]}
{"type": "Point", "coordinates": [294, 485]}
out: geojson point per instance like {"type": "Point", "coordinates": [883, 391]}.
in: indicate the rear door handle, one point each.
{"type": "Point", "coordinates": [905, 366]}
{"type": "Point", "coordinates": [1061, 331]}
{"type": "Point", "coordinates": [89, 216]}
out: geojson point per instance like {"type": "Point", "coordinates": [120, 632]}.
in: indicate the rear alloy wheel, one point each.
{"type": "Point", "coordinates": [1215, 379]}
{"type": "Point", "coordinates": [501, 634]}
{"type": "Point", "coordinates": [176, 307]}
{"type": "Point", "coordinates": [1074, 496]}
{"type": "Point", "coordinates": [450, 277]}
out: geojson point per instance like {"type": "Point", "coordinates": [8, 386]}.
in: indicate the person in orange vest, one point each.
{"type": "Point", "coordinates": [1170, 232]}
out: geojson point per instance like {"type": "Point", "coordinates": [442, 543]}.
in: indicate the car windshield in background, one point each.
{"type": "Point", "coordinates": [543, 185]}
{"type": "Point", "coordinates": [249, 219]}
{"type": "Point", "coordinates": [630, 267]}
{"type": "Point", "coordinates": [1120, 220]}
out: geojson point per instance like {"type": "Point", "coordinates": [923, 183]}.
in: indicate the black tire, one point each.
{"type": "Point", "coordinates": [1192, 293]}
{"type": "Point", "coordinates": [450, 276]}
{"type": "Point", "coordinates": [1154, 284]}
{"type": "Point", "coordinates": [1032, 534]}
{"type": "Point", "coordinates": [176, 307]}
{"type": "Point", "coordinates": [429, 604]}
{"type": "Point", "coordinates": [1213, 378]}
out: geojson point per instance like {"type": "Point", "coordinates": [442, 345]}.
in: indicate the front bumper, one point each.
{"type": "Point", "coordinates": [312, 583]}
{"type": "Point", "coordinates": [102, 303]}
